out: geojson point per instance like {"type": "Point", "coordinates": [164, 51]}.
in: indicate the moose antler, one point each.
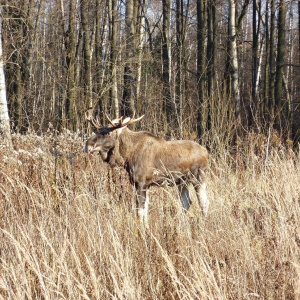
{"type": "Point", "coordinates": [93, 121]}
{"type": "Point", "coordinates": [131, 120]}
{"type": "Point", "coordinates": [114, 123]}
{"type": "Point", "coordinates": [119, 123]}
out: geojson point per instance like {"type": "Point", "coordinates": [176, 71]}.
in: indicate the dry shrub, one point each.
{"type": "Point", "coordinates": [69, 228]}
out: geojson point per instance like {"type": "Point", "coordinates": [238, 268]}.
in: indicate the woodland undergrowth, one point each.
{"type": "Point", "coordinates": [69, 230]}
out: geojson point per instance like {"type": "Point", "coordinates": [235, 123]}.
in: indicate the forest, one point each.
{"type": "Point", "coordinates": [222, 73]}
{"type": "Point", "coordinates": [194, 67]}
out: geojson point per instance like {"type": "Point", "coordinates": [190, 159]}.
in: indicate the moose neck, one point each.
{"type": "Point", "coordinates": [127, 140]}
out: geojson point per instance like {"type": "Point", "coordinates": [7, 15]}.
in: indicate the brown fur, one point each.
{"type": "Point", "coordinates": [149, 159]}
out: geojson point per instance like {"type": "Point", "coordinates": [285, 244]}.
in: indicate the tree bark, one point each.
{"type": "Point", "coordinates": [169, 106]}
{"type": "Point", "coordinates": [140, 32]}
{"type": "Point", "coordinates": [234, 65]}
{"type": "Point", "coordinates": [299, 31]}
{"type": "Point", "coordinates": [21, 22]}
{"type": "Point", "coordinates": [113, 57]}
{"type": "Point", "coordinates": [129, 91]}
{"type": "Point", "coordinates": [86, 52]}
{"type": "Point", "coordinates": [4, 117]}
{"type": "Point", "coordinates": [99, 78]}
{"type": "Point", "coordinates": [71, 55]}
{"type": "Point", "coordinates": [255, 34]}
{"type": "Point", "coordinates": [201, 65]}
{"type": "Point", "coordinates": [279, 66]}
{"type": "Point", "coordinates": [272, 63]}
{"type": "Point", "coordinates": [266, 91]}
{"type": "Point", "coordinates": [289, 80]}
{"type": "Point", "coordinates": [178, 74]}
{"type": "Point", "coordinates": [211, 57]}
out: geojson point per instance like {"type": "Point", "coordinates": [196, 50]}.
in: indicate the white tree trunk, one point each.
{"type": "Point", "coordinates": [140, 54]}
{"type": "Point", "coordinates": [5, 135]}
{"type": "Point", "coordinates": [234, 60]}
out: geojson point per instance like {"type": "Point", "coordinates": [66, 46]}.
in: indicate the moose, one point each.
{"type": "Point", "coordinates": [151, 160]}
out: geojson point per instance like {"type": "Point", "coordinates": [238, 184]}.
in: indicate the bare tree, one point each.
{"type": "Point", "coordinates": [179, 57]}
{"type": "Point", "coordinates": [266, 91]}
{"type": "Point", "coordinates": [234, 64]}
{"type": "Point", "coordinates": [256, 23]}
{"type": "Point", "coordinates": [280, 66]}
{"type": "Point", "coordinates": [61, 53]}
{"type": "Point", "coordinates": [201, 64]}
{"type": "Point", "coordinates": [299, 28]}
{"type": "Point", "coordinates": [101, 24]}
{"type": "Point", "coordinates": [272, 62]}
{"type": "Point", "coordinates": [140, 44]}
{"type": "Point", "coordinates": [129, 91]}
{"type": "Point", "coordinates": [211, 58]}
{"type": "Point", "coordinates": [113, 56]}
{"type": "Point", "coordinates": [169, 106]}
{"type": "Point", "coordinates": [4, 117]}
{"type": "Point", "coordinates": [19, 24]}
{"type": "Point", "coordinates": [71, 56]}
{"type": "Point", "coordinates": [87, 52]}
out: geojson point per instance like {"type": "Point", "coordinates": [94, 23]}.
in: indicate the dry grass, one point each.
{"type": "Point", "coordinates": [68, 228]}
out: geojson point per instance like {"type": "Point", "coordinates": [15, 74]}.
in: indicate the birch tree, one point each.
{"type": "Point", "coordinates": [234, 63]}
{"type": "Point", "coordinates": [140, 40]}
{"type": "Point", "coordinates": [4, 117]}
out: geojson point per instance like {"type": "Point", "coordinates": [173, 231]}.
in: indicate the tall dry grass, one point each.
{"type": "Point", "coordinates": [69, 231]}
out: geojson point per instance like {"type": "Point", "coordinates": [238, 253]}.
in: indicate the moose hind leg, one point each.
{"type": "Point", "coordinates": [143, 206]}
{"type": "Point", "coordinates": [202, 197]}
{"type": "Point", "coordinates": [185, 197]}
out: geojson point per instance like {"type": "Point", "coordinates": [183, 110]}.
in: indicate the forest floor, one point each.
{"type": "Point", "coordinates": [69, 230]}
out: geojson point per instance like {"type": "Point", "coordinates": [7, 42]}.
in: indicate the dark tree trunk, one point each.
{"type": "Point", "coordinates": [299, 29]}
{"type": "Point", "coordinates": [86, 52]}
{"type": "Point", "coordinates": [272, 63]}
{"type": "Point", "coordinates": [280, 67]}
{"type": "Point", "coordinates": [266, 91]}
{"type": "Point", "coordinates": [211, 57]}
{"type": "Point", "coordinates": [201, 65]}
{"type": "Point", "coordinates": [129, 91]}
{"type": "Point", "coordinates": [179, 40]}
{"type": "Point", "coordinates": [255, 31]}
{"type": "Point", "coordinates": [99, 53]}
{"type": "Point", "coordinates": [20, 20]}
{"type": "Point", "coordinates": [180, 74]}
{"type": "Point", "coordinates": [71, 53]}
{"type": "Point", "coordinates": [113, 57]}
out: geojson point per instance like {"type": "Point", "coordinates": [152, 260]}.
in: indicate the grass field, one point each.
{"type": "Point", "coordinates": [69, 230]}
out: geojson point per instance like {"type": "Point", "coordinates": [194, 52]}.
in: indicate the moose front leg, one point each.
{"type": "Point", "coordinates": [142, 199]}
{"type": "Point", "coordinates": [202, 197]}
{"type": "Point", "coordinates": [184, 196]}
